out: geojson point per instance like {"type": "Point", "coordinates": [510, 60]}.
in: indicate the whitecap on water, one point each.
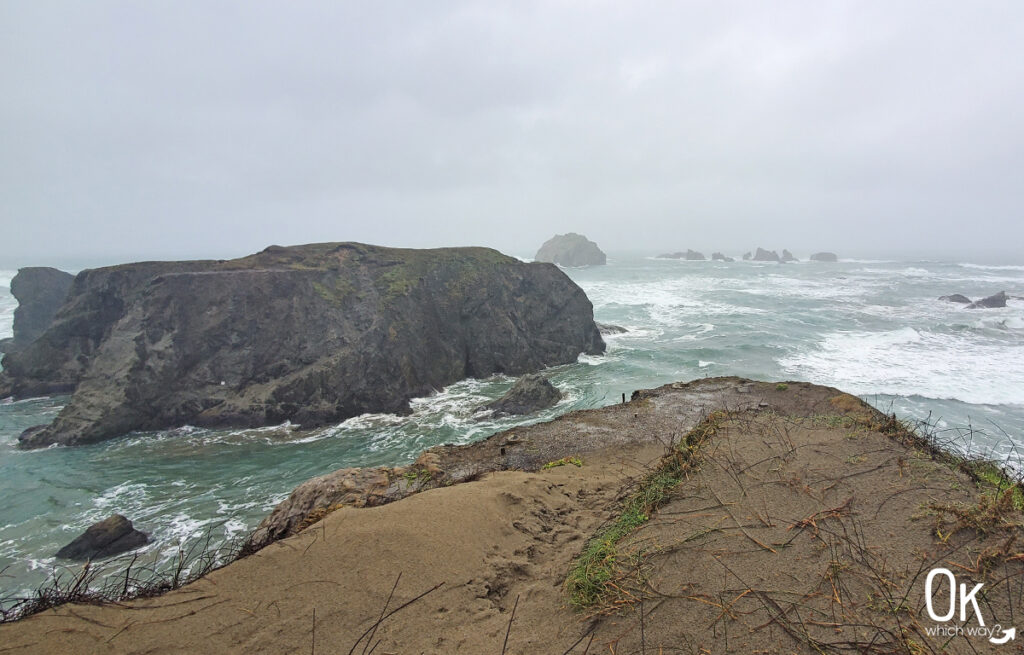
{"type": "Point", "coordinates": [908, 361]}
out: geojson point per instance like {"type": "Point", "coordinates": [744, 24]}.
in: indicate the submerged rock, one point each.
{"type": "Point", "coordinates": [309, 334]}
{"type": "Point", "coordinates": [957, 298]}
{"type": "Point", "coordinates": [824, 257]}
{"type": "Point", "coordinates": [111, 536]}
{"type": "Point", "coordinates": [992, 302]}
{"type": "Point", "coordinates": [40, 292]}
{"type": "Point", "coordinates": [689, 255]}
{"type": "Point", "coordinates": [607, 328]}
{"type": "Point", "coordinates": [571, 250]}
{"type": "Point", "coordinates": [530, 393]}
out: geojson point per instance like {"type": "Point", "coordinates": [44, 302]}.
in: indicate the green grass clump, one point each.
{"type": "Point", "coordinates": [590, 578]}
{"type": "Point", "coordinates": [781, 386]}
{"type": "Point", "coordinates": [575, 461]}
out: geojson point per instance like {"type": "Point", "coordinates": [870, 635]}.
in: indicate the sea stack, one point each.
{"type": "Point", "coordinates": [40, 292]}
{"type": "Point", "coordinates": [762, 255]}
{"type": "Point", "coordinates": [309, 334]}
{"type": "Point", "coordinates": [824, 257]}
{"type": "Point", "coordinates": [571, 250]}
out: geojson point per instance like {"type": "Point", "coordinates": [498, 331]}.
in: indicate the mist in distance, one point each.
{"type": "Point", "coordinates": [134, 131]}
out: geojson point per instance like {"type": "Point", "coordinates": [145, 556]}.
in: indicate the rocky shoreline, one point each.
{"type": "Point", "coordinates": [799, 506]}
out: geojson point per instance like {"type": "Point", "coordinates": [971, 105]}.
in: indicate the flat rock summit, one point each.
{"type": "Point", "coordinates": [310, 334]}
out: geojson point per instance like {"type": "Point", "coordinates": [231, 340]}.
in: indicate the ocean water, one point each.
{"type": "Point", "coordinates": [872, 328]}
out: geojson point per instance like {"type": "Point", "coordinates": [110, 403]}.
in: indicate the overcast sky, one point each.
{"type": "Point", "coordinates": [179, 129]}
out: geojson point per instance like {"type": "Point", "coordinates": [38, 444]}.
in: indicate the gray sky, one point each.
{"type": "Point", "coordinates": [179, 129]}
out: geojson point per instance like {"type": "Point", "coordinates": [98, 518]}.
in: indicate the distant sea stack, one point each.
{"type": "Point", "coordinates": [719, 257]}
{"type": "Point", "coordinates": [689, 255]}
{"type": "Point", "coordinates": [788, 256]}
{"type": "Point", "coordinates": [762, 255]}
{"type": "Point", "coordinates": [310, 334]}
{"type": "Point", "coordinates": [571, 250]}
{"type": "Point", "coordinates": [824, 257]}
{"type": "Point", "coordinates": [40, 292]}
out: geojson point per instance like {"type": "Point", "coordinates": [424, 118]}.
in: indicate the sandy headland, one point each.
{"type": "Point", "coordinates": [722, 515]}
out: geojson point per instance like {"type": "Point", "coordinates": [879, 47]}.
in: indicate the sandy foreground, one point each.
{"type": "Point", "coordinates": [804, 523]}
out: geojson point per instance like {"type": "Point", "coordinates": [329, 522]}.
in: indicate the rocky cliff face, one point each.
{"type": "Point", "coordinates": [311, 334]}
{"type": "Point", "coordinates": [40, 292]}
{"type": "Point", "coordinates": [571, 250]}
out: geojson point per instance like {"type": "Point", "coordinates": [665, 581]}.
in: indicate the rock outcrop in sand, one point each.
{"type": "Point", "coordinates": [571, 250]}
{"type": "Point", "coordinates": [308, 334]}
{"type": "Point", "coordinates": [40, 292]}
{"type": "Point", "coordinates": [788, 518]}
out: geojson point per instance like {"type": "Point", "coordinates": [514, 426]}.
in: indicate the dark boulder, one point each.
{"type": "Point", "coordinates": [571, 250]}
{"type": "Point", "coordinates": [309, 334]}
{"type": "Point", "coordinates": [109, 537]}
{"type": "Point", "coordinates": [719, 257]}
{"type": "Point", "coordinates": [607, 328]}
{"type": "Point", "coordinates": [824, 257]}
{"type": "Point", "coordinates": [992, 302]}
{"type": "Point", "coordinates": [788, 256]}
{"type": "Point", "coordinates": [763, 255]}
{"type": "Point", "coordinates": [957, 298]}
{"type": "Point", "coordinates": [40, 292]}
{"type": "Point", "coordinates": [530, 393]}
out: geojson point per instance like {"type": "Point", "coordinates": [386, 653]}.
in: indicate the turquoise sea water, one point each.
{"type": "Point", "coordinates": [871, 328]}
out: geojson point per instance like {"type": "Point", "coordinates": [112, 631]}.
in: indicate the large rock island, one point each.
{"type": "Point", "coordinates": [571, 250]}
{"type": "Point", "coordinates": [310, 334]}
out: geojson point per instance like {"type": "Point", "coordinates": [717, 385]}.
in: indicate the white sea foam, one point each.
{"type": "Point", "coordinates": [908, 361]}
{"type": "Point", "coordinates": [1010, 267]}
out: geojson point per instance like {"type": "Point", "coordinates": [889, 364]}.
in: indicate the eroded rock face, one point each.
{"type": "Point", "coordinates": [824, 257]}
{"type": "Point", "coordinates": [309, 334]}
{"type": "Point", "coordinates": [762, 255]}
{"type": "Point", "coordinates": [992, 302]}
{"type": "Point", "coordinates": [530, 393]}
{"type": "Point", "coordinates": [571, 250]}
{"type": "Point", "coordinates": [109, 537]}
{"type": "Point", "coordinates": [40, 292]}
